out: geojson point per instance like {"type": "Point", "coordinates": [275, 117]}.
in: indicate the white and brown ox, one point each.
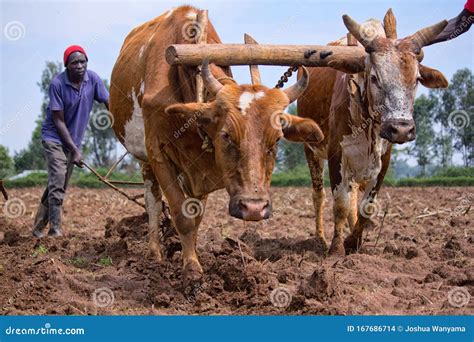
{"type": "Point", "coordinates": [363, 105]}
{"type": "Point", "coordinates": [157, 121]}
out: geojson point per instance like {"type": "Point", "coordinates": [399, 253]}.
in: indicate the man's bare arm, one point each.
{"type": "Point", "coordinates": [456, 26]}
{"type": "Point", "coordinates": [58, 119]}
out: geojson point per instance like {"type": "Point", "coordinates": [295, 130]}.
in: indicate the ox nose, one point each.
{"type": "Point", "coordinates": [250, 209]}
{"type": "Point", "coordinates": [398, 131]}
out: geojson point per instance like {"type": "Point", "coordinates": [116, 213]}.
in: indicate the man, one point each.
{"type": "Point", "coordinates": [457, 25]}
{"type": "Point", "coordinates": [71, 96]}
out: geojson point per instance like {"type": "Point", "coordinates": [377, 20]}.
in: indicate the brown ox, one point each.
{"type": "Point", "coordinates": [362, 109]}
{"type": "Point", "coordinates": [157, 121]}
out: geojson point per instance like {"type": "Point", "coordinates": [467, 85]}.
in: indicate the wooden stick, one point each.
{"type": "Point", "coordinates": [427, 215]}
{"type": "Point", "coordinates": [381, 224]}
{"type": "Point", "coordinates": [115, 165]}
{"type": "Point", "coordinates": [202, 19]}
{"type": "Point", "coordinates": [4, 192]}
{"type": "Point", "coordinates": [254, 72]}
{"type": "Point", "coordinates": [111, 185]}
{"type": "Point", "coordinates": [259, 54]}
{"type": "Point", "coordinates": [351, 40]}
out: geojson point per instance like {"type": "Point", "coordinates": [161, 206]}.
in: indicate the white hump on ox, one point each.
{"type": "Point", "coordinates": [188, 149]}
{"type": "Point", "coordinates": [363, 106]}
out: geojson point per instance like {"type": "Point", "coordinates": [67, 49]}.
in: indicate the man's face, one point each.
{"type": "Point", "coordinates": [76, 65]}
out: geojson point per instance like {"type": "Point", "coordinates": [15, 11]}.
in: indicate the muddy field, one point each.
{"type": "Point", "coordinates": [420, 261]}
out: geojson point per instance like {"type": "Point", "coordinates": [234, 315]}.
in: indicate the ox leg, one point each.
{"type": "Point", "coordinates": [154, 207]}
{"type": "Point", "coordinates": [367, 209]}
{"type": "Point", "coordinates": [352, 219]}
{"type": "Point", "coordinates": [184, 216]}
{"type": "Point", "coordinates": [316, 168]}
{"type": "Point", "coordinates": [364, 219]}
{"type": "Point", "coordinates": [341, 210]}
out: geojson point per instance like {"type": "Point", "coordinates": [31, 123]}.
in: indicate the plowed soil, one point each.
{"type": "Point", "coordinates": [418, 261]}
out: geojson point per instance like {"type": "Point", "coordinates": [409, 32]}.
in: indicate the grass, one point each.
{"type": "Point", "coordinates": [80, 178]}
{"type": "Point", "coordinates": [40, 250]}
{"type": "Point", "coordinates": [453, 176]}
{"type": "Point", "coordinates": [105, 261]}
{"type": "Point", "coordinates": [299, 177]}
{"type": "Point", "coordinates": [79, 262]}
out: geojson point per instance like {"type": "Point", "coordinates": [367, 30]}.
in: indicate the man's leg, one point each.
{"type": "Point", "coordinates": [42, 215]}
{"type": "Point", "coordinates": [58, 173]}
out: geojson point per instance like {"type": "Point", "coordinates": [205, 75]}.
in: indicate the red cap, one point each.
{"type": "Point", "coordinates": [71, 49]}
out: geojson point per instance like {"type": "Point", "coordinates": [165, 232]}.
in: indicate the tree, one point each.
{"type": "Point", "coordinates": [32, 157]}
{"type": "Point", "coordinates": [100, 142]}
{"type": "Point", "coordinates": [454, 114]}
{"type": "Point", "coordinates": [291, 154]}
{"type": "Point", "coordinates": [422, 114]}
{"type": "Point", "coordinates": [6, 163]}
{"type": "Point", "coordinates": [461, 119]}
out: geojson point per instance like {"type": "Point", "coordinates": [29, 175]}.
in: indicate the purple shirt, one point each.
{"type": "Point", "coordinates": [76, 104]}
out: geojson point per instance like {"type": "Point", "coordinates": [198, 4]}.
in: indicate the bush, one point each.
{"type": "Point", "coordinates": [436, 181]}
{"type": "Point", "coordinates": [454, 171]}
{"type": "Point", "coordinates": [80, 178]}
{"type": "Point", "coordinates": [300, 177]}
{"type": "Point", "coordinates": [33, 179]}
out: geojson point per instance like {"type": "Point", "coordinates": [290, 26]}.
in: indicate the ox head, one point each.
{"type": "Point", "coordinates": [245, 123]}
{"type": "Point", "coordinates": [392, 72]}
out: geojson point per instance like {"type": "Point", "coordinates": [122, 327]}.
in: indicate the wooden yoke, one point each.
{"type": "Point", "coordinates": [261, 54]}
{"type": "Point", "coordinates": [202, 20]}
{"type": "Point", "coordinates": [351, 40]}
{"type": "Point", "coordinates": [254, 72]}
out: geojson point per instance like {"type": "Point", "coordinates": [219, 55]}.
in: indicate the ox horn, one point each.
{"type": "Point", "coordinates": [210, 82]}
{"type": "Point", "coordinates": [296, 90]}
{"type": "Point", "coordinates": [355, 29]}
{"type": "Point", "coordinates": [427, 34]}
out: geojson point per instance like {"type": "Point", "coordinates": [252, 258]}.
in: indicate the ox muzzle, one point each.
{"type": "Point", "coordinates": [250, 209]}
{"type": "Point", "coordinates": [398, 131]}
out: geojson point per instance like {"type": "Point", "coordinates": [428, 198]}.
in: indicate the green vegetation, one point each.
{"type": "Point", "coordinates": [6, 163]}
{"type": "Point", "coordinates": [79, 262]}
{"type": "Point", "coordinates": [451, 176]}
{"type": "Point", "coordinates": [105, 261]}
{"type": "Point", "coordinates": [40, 250]}
{"type": "Point", "coordinates": [80, 178]}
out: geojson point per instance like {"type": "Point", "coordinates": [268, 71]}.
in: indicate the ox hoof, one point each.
{"type": "Point", "coordinates": [337, 247]}
{"type": "Point", "coordinates": [192, 274]}
{"type": "Point", "coordinates": [324, 243]}
{"type": "Point", "coordinates": [352, 243]}
{"type": "Point", "coordinates": [155, 251]}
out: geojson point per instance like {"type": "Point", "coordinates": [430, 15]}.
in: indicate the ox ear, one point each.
{"type": "Point", "coordinates": [351, 65]}
{"type": "Point", "coordinates": [202, 113]}
{"type": "Point", "coordinates": [432, 78]}
{"type": "Point", "coordinates": [300, 130]}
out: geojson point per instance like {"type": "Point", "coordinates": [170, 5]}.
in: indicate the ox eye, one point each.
{"type": "Point", "coordinates": [374, 80]}
{"type": "Point", "coordinates": [226, 137]}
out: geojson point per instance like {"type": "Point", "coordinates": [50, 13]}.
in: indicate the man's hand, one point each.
{"type": "Point", "coordinates": [77, 158]}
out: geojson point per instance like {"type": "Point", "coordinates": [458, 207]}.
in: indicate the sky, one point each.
{"type": "Point", "coordinates": [33, 32]}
